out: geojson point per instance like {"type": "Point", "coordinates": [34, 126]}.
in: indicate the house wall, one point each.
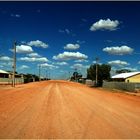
{"type": "Point", "coordinates": [133, 79]}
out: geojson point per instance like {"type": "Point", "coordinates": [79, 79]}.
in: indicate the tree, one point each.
{"type": "Point", "coordinates": [30, 78]}
{"type": "Point", "coordinates": [76, 76]}
{"type": "Point", "coordinates": [122, 71]}
{"type": "Point", "coordinates": [103, 73]}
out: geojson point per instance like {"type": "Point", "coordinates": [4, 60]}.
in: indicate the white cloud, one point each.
{"type": "Point", "coordinates": [15, 15]}
{"type": "Point", "coordinates": [108, 41]}
{"type": "Point", "coordinates": [33, 55]}
{"type": "Point", "coordinates": [118, 63]}
{"type": "Point", "coordinates": [131, 69]}
{"type": "Point", "coordinates": [70, 56]}
{"type": "Point", "coordinates": [72, 47]}
{"type": "Point", "coordinates": [105, 25]}
{"type": "Point", "coordinates": [114, 69]}
{"type": "Point", "coordinates": [118, 50]}
{"type": "Point", "coordinates": [50, 66]}
{"type": "Point", "coordinates": [6, 63]}
{"type": "Point", "coordinates": [34, 59]}
{"type": "Point", "coordinates": [94, 62]}
{"type": "Point", "coordinates": [5, 58]}
{"type": "Point", "coordinates": [23, 49]}
{"type": "Point", "coordinates": [61, 31]}
{"type": "Point", "coordinates": [82, 60]}
{"type": "Point", "coordinates": [23, 42]}
{"type": "Point", "coordinates": [80, 42]}
{"type": "Point", "coordinates": [79, 66]}
{"type": "Point", "coordinates": [23, 67]}
{"type": "Point", "coordinates": [38, 43]}
{"type": "Point", "coordinates": [67, 31]}
{"type": "Point", "coordinates": [62, 63]}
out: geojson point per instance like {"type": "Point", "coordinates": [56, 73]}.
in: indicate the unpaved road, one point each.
{"type": "Point", "coordinates": [59, 109]}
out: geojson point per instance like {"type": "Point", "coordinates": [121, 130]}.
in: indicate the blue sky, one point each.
{"type": "Point", "coordinates": [62, 36]}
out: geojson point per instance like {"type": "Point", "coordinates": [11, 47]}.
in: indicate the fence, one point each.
{"type": "Point", "coordinates": [122, 86]}
{"type": "Point", "coordinates": [9, 80]}
{"type": "Point", "coordinates": [90, 82]}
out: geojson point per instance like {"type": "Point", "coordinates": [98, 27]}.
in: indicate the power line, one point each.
{"type": "Point", "coordinates": [14, 64]}
{"type": "Point", "coordinates": [39, 72]}
{"type": "Point", "coordinates": [96, 80]}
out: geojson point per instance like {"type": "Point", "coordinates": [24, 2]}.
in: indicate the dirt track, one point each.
{"type": "Point", "coordinates": [58, 109]}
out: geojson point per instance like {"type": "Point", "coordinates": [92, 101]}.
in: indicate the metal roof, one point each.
{"type": "Point", "coordinates": [2, 71]}
{"type": "Point", "coordinates": [125, 75]}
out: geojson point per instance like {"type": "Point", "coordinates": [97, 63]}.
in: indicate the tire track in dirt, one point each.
{"type": "Point", "coordinates": [22, 113]}
{"type": "Point", "coordinates": [112, 117]}
{"type": "Point", "coordinates": [61, 109]}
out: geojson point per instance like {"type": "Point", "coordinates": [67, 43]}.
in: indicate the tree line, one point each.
{"type": "Point", "coordinates": [103, 73]}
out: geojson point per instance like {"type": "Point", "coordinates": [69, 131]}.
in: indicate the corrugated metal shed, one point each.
{"type": "Point", "coordinates": [125, 75]}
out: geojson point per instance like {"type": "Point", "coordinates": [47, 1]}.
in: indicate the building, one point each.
{"type": "Point", "coordinates": [4, 74]}
{"type": "Point", "coordinates": [130, 77]}
{"type": "Point", "coordinates": [6, 78]}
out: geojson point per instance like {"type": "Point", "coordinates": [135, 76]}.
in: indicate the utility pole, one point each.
{"type": "Point", "coordinates": [49, 75]}
{"type": "Point", "coordinates": [75, 75]}
{"type": "Point", "coordinates": [39, 71]}
{"type": "Point", "coordinates": [46, 74]}
{"type": "Point", "coordinates": [69, 76]}
{"type": "Point", "coordinates": [96, 80]}
{"type": "Point", "coordinates": [14, 64]}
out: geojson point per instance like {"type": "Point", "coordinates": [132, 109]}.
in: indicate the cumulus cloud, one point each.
{"type": "Point", "coordinates": [33, 55]}
{"type": "Point", "coordinates": [23, 67]}
{"type": "Point", "coordinates": [105, 25]}
{"type": "Point", "coordinates": [70, 56]}
{"type": "Point", "coordinates": [23, 49]}
{"type": "Point", "coordinates": [118, 50]}
{"type": "Point", "coordinates": [5, 58]}
{"type": "Point", "coordinates": [118, 63]}
{"type": "Point", "coordinates": [50, 66]}
{"type": "Point", "coordinates": [34, 59]}
{"type": "Point", "coordinates": [62, 63]}
{"type": "Point", "coordinates": [72, 47]}
{"type": "Point", "coordinates": [38, 43]}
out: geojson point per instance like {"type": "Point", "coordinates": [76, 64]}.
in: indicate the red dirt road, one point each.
{"type": "Point", "coordinates": [60, 109]}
